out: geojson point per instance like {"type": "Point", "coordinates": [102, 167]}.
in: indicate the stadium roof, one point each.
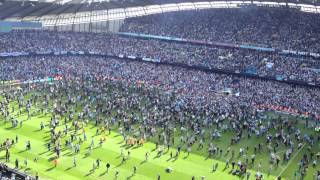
{"type": "Point", "coordinates": [64, 12]}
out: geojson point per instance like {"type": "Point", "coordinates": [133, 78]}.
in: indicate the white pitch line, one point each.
{"type": "Point", "coordinates": [291, 160]}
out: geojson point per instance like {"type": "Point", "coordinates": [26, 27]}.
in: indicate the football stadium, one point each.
{"type": "Point", "coordinates": [159, 90]}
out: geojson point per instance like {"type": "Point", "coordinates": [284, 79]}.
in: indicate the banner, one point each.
{"type": "Point", "coordinates": [150, 59]}
{"type": "Point", "coordinates": [300, 53]}
{"type": "Point", "coordinates": [18, 82]}
{"type": "Point", "coordinates": [14, 54]}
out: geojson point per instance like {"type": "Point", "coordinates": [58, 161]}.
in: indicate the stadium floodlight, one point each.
{"type": "Point", "coordinates": [29, 18]}
{"type": "Point", "coordinates": [116, 14]}
{"type": "Point", "coordinates": [235, 2]}
{"type": "Point", "coordinates": [153, 9]}
{"type": "Point", "coordinates": [224, 4]}
{"type": "Point", "coordinates": [135, 11]}
{"type": "Point", "coordinates": [272, 4]}
{"type": "Point", "coordinates": [186, 6]}
{"type": "Point", "coordinates": [292, 5]}
{"type": "Point", "coordinates": [202, 5]}
{"type": "Point", "coordinates": [255, 2]}
{"type": "Point", "coordinates": [169, 7]}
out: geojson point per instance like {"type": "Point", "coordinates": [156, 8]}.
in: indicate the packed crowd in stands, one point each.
{"type": "Point", "coordinates": [239, 60]}
{"type": "Point", "coordinates": [283, 29]}
{"type": "Point", "coordinates": [195, 89]}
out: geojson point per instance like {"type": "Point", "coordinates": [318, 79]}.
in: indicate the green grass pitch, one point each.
{"type": "Point", "coordinates": [184, 167]}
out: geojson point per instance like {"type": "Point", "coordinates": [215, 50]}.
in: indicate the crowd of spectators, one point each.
{"type": "Point", "coordinates": [239, 60]}
{"type": "Point", "coordinates": [270, 27]}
